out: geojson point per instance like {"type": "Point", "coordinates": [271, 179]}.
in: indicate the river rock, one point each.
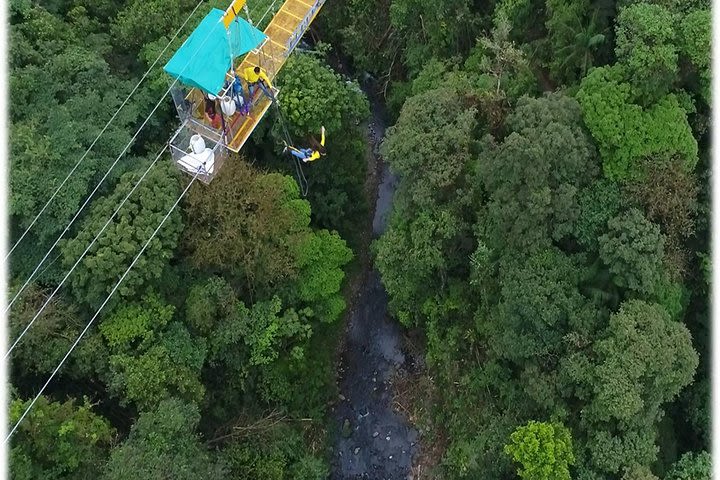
{"type": "Point", "coordinates": [346, 429]}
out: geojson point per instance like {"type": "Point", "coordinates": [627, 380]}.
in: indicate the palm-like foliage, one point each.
{"type": "Point", "coordinates": [577, 31]}
{"type": "Point", "coordinates": [575, 59]}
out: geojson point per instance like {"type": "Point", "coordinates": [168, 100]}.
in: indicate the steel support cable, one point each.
{"type": "Point", "coordinates": [112, 292]}
{"type": "Point", "coordinates": [87, 249]}
{"type": "Point", "coordinates": [82, 207]}
{"type": "Point", "coordinates": [107, 299]}
{"type": "Point", "coordinates": [62, 184]}
{"type": "Point", "coordinates": [272, 5]}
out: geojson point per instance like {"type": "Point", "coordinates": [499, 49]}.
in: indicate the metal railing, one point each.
{"type": "Point", "coordinates": [180, 147]}
{"type": "Point", "coordinates": [304, 24]}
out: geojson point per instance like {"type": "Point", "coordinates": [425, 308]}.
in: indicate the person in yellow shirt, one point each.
{"type": "Point", "coordinates": [309, 154]}
{"type": "Point", "coordinates": [256, 76]}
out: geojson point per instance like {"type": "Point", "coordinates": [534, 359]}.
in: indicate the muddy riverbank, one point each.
{"type": "Point", "coordinates": [370, 439]}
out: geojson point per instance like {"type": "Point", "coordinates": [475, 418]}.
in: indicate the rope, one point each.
{"type": "Point", "coordinates": [302, 181]}
{"type": "Point", "coordinates": [77, 214]}
{"type": "Point", "coordinates": [52, 197]}
{"type": "Point", "coordinates": [87, 327]}
{"type": "Point", "coordinates": [85, 252]}
{"type": "Point", "coordinates": [262, 60]}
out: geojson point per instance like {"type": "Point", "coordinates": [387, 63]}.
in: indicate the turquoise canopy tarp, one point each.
{"type": "Point", "coordinates": [204, 58]}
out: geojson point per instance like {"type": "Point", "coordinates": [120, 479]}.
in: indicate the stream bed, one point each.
{"type": "Point", "coordinates": [370, 439]}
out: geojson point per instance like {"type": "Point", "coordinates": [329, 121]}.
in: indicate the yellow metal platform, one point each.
{"type": "Point", "coordinates": [284, 33]}
{"type": "Point", "coordinates": [240, 127]}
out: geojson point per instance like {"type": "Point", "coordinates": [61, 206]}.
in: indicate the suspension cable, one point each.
{"type": "Point", "coordinates": [87, 249]}
{"type": "Point", "coordinates": [107, 299]}
{"type": "Point", "coordinates": [62, 184]}
{"type": "Point", "coordinates": [77, 214]}
{"type": "Point", "coordinates": [272, 5]}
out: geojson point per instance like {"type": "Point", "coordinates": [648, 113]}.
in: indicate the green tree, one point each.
{"type": "Point", "coordinates": [141, 22]}
{"type": "Point", "coordinates": [599, 202]}
{"type": "Point", "coordinates": [539, 303]}
{"type": "Point", "coordinates": [613, 452]}
{"type": "Point", "coordinates": [265, 332]}
{"type": "Point", "coordinates": [413, 254]}
{"type": "Point", "coordinates": [697, 406]}
{"type": "Point", "coordinates": [211, 310]}
{"type": "Point", "coordinates": [214, 313]}
{"type": "Point", "coordinates": [643, 360]}
{"type": "Point", "coordinates": [163, 444]}
{"type": "Point", "coordinates": [151, 358]}
{"type": "Point", "coordinates": [353, 25]}
{"type": "Point", "coordinates": [576, 38]}
{"type": "Point", "coordinates": [646, 47]}
{"type": "Point", "coordinates": [627, 133]}
{"type": "Point", "coordinates": [691, 466]}
{"type": "Point", "coordinates": [669, 195]}
{"type": "Point", "coordinates": [320, 260]}
{"type": "Point", "coordinates": [532, 178]}
{"type": "Point", "coordinates": [676, 6]}
{"type": "Point", "coordinates": [497, 59]}
{"type": "Point", "coordinates": [247, 224]}
{"type": "Point", "coordinates": [633, 251]}
{"type": "Point", "coordinates": [637, 472]}
{"type": "Point", "coordinates": [433, 125]}
{"type": "Point", "coordinates": [440, 29]}
{"type": "Point", "coordinates": [52, 126]}
{"type": "Point", "coordinates": [543, 449]}
{"type": "Point", "coordinates": [58, 440]}
{"type": "Point", "coordinates": [428, 228]}
{"type": "Point", "coordinates": [255, 227]}
{"type": "Point", "coordinates": [694, 44]}
{"type": "Point", "coordinates": [264, 349]}
{"type": "Point", "coordinates": [50, 337]}
{"type": "Point", "coordinates": [313, 95]}
{"type": "Point", "coordinates": [280, 454]}
{"type": "Point", "coordinates": [112, 253]}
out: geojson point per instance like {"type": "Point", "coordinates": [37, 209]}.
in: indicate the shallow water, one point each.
{"type": "Point", "coordinates": [382, 443]}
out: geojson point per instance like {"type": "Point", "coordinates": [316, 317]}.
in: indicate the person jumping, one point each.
{"type": "Point", "coordinates": [308, 154]}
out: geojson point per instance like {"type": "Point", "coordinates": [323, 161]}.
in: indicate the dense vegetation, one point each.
{"type": "Point", "coordinates": [549, 236]}
{"type": "Point", "coordinates": [222, 337]}
{"type": "Point", "coordinates": [549, 241]}
{"type": "Point", "coordinates": [552, 247]}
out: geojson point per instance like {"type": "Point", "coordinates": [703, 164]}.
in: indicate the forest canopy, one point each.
{"type": "Point", "coordinates": [547, 248]}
